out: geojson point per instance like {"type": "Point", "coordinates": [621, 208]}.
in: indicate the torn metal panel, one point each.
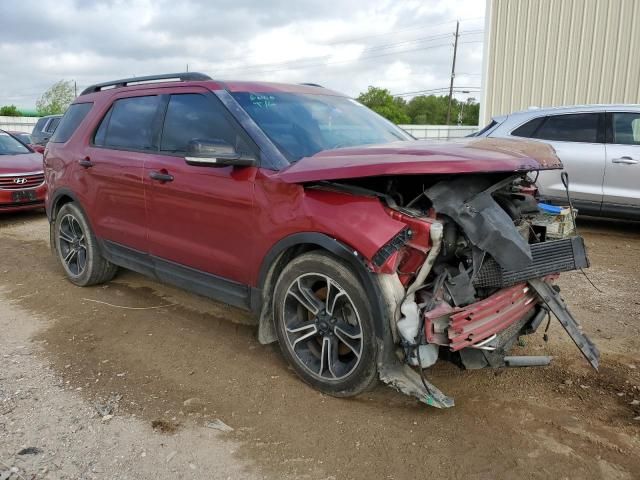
{"type": "Point", "coordinates": [468, 201]}
{"type": "Point", "coordinates": [556, 304]}
{"type": "Point", "coordinates": [406, 380]}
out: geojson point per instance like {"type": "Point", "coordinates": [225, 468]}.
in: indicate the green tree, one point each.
{"type": "Point", "coordinates": [56, 99]}
{"type": "Point", "coordinates": [10, 111]}
{"type": "Point", "coordinates": [381, 101]}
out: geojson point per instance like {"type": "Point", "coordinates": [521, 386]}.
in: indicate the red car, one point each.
{"type": "Point", "coordinates": [27, 140]}
{"type": "Point", "coordinates": [363, 252]}
{"type": "Point", "coordinates": [22, 184]}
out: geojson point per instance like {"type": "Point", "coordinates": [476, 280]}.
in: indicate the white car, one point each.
{"type": "Point", "coordinates": [599, 146]}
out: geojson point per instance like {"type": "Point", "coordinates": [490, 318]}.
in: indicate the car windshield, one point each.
{"type": "Point", "coordinates": [301, 125]}
{"type": "Point", "coordinates": [11, 146]}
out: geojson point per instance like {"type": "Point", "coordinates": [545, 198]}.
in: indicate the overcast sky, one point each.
{"type": "Point", "coordinates": [346, 45]}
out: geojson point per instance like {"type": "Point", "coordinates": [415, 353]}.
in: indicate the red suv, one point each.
{"type": "Point", "coordinates": [363, 252]}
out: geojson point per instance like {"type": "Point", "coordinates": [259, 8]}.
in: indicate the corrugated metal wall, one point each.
{"type": "Point", "coordinates": [560, 52]}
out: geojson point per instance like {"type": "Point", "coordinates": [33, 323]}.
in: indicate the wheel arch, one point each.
{"type": "Point", "coordinates": [290, 247]}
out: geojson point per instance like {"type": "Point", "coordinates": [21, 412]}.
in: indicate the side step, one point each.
{"type": "Point", "coordinates": [555, 303]}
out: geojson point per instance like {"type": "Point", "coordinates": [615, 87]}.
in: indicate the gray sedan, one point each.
{"type": "Point", "coordinates": [599, 146]}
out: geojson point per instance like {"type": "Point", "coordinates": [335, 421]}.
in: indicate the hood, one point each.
{"type": "Point", "coordinates": [22, 163]}
{"type": "Point", "coordinates": [468, 155]}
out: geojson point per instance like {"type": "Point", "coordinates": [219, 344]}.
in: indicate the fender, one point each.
{"type": "Point", "coordinates": [55, 198]}
{"type": "Point", "coordinates": [261, 305]}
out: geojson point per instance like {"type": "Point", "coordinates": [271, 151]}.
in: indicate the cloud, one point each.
{"type": "Point", "coordinates": [347, 45]}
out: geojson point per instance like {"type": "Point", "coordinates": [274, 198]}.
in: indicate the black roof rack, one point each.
{"type": "Point", "coordinates": [183, 77]}
{"type": "Point", "coordinates": [312, 85]}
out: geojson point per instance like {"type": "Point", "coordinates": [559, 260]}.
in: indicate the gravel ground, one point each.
{"type": "Point", "coordinates": [135, 379]}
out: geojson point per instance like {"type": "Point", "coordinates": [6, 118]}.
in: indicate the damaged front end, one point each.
{"type": "Point", "coordinates": [474, 271]}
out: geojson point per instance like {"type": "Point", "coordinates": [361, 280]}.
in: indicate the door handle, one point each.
{"type": "Point", "coordinates": [85, 162]}
{"type": "Point", "coordinates": [161, 176]}
{"type": "Point", "coordinates": [625, 160]}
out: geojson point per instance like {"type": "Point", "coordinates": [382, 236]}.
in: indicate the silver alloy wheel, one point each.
{"type": "Point", "coordinates": [72, 245]}
{"type": "Point", "coordinates": [323, 328]}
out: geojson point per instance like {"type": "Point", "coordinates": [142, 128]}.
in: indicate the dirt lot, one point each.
{"type": "Point", "coordinates": [160, 365]}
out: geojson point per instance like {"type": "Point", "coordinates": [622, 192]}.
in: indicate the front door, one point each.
{"type": "Point", "coordinates": [622, 172]}
{"type": "Point", "coordinates": [199, 217]}
{"type": "Point", "coordinates": [578, 140]}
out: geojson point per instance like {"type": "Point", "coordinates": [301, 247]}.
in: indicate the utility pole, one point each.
{"type": "Point", "coordinates": [75, 89]}
{"type": "Point", "coordinates": [453, 70]}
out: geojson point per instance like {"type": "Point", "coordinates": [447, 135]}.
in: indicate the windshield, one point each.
{"type": "Point", "coordinates": [301, 125]}
{"type": "Point", "coordinates": [11, 146]}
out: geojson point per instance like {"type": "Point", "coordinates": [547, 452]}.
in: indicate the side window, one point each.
{"type": "Point", "coordinates": [579, 127]}
{"type": "Point", "coordinates": [53, 124]}
{"type": "Point", "coordinates": [528, 129]}
{"type": "Point", "coordinates": [193, 116]}
{"type": "Point", "coordinates": [129, 124]}
{"type": "Point", "coordinates": [626, 128]}
{"type": "Point", "coordinates": [70, 122]}
{"type": "Point", "coordinates": [40, 125]}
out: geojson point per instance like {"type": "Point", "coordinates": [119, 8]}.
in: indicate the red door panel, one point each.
{"type": "Point", "coordinates": [203, 218]}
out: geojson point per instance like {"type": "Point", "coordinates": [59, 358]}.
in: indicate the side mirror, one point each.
{"type": "Point", "coordinates": [216, 153]}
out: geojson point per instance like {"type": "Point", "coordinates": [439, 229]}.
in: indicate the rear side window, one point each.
{"type": "Point", "coordinates": [53, 124]}
{"type": "Point", "coordinates": [528, 130]}
{"type": "Point", "coordinates": [580, 127]}
{"type": "Point", "coordinates": [70, 122]}
{"type": "Point", "coordinates": [626, 128]}
{"type": "Point", "coordinates": [192, 116]}
{"type": "Point", "coordinates": [40, 125]}
{"type": "Point", "coordinates": [129, 124]}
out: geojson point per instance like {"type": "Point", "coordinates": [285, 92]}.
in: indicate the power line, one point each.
{"type": "Point", "coordinates": [296, 65]}
{"type": "Point", "coordinates": [369, 49]}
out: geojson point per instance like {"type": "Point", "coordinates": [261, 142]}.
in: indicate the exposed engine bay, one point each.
{"type": "Point", "coordinates": [476, 271]}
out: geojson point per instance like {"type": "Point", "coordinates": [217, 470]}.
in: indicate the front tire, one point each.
{"type": "Point", "coordinates": [325, 325]}
{"type": "Point", "coordinates": [77, 249]}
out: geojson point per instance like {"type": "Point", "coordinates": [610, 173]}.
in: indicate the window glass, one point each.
{"type": "Point", "coordinates": [301, 125]}
{"type": "Point", "coordinates": [193, 116]}
{"type": "Point", "coordinates": [129, 124]}
{"type": "Point", "coordinates": [40, 124]}
{"type": "Point", "coordinates": [528, 129]}
{"type": "Point", "coordinates": [580, 127]}
{"type": "Point", "coordinates": [101, 134]}
{"type": "Point", "coordinates": [626, 128]}
{"type": "Point", "coordinates": [10, 146]}
{"type": "Point", "coordinates": [70, 121]}
{"type": "Point", "coordinates": [53, 124]}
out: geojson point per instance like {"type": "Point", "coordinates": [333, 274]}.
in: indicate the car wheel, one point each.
{"type": "Point", "coordinates": [77, 249]}
{"type": "Point", "coordinates": [324, 325]}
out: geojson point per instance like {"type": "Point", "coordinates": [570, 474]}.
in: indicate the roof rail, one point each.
{"type": "Point", "coordinates": [183, 77]}
{"type": "Point", "coordinates": [312, 85]}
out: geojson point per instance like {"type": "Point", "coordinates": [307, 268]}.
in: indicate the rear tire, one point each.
{"type": "Point", "coordinates": [325, 325]}
{"type": "Point", "coordinates": [77, 249]}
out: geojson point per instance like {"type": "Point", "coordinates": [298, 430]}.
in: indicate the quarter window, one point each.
{"type": "Point", "coordinates": [528, 130]}
{"type": "Point", "coordinates": [580, 127]}
{"type": "Point", "coordinates": [626, 128]}
{"type": "Point", "coordinates": [129, 124]}
{"type": "Point", "coordinates": [53, 124]}
{"type": "Point", "coordinates": [192, 116]}
{"type": "Point", "coordinates": [70, 121]}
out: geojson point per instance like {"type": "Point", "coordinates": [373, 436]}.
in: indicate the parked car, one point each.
{"type": "Point", "coordinates": [599, 146]}
{"type": "Point", "coordinates": [354, 245]}
{"type": "Point", "coordinates": [44, 128]}
{"type": "Point", "coordinates": [21, 176]}
{"type": "Point", "coordinates": [27, 140]}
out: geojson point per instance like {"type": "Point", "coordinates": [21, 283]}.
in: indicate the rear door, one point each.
{"type": "Point", "coordinates": [622, 172]}
{"type": "Point", "coordinates": [113, 168]}
{"type": "Point", "coordinates": [203, 217]}
{"type": "Point", "coordinates": [578, 139]}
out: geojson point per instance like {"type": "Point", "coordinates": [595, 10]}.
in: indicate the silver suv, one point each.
{"type": "Point", "coordinates": [599, 146]}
